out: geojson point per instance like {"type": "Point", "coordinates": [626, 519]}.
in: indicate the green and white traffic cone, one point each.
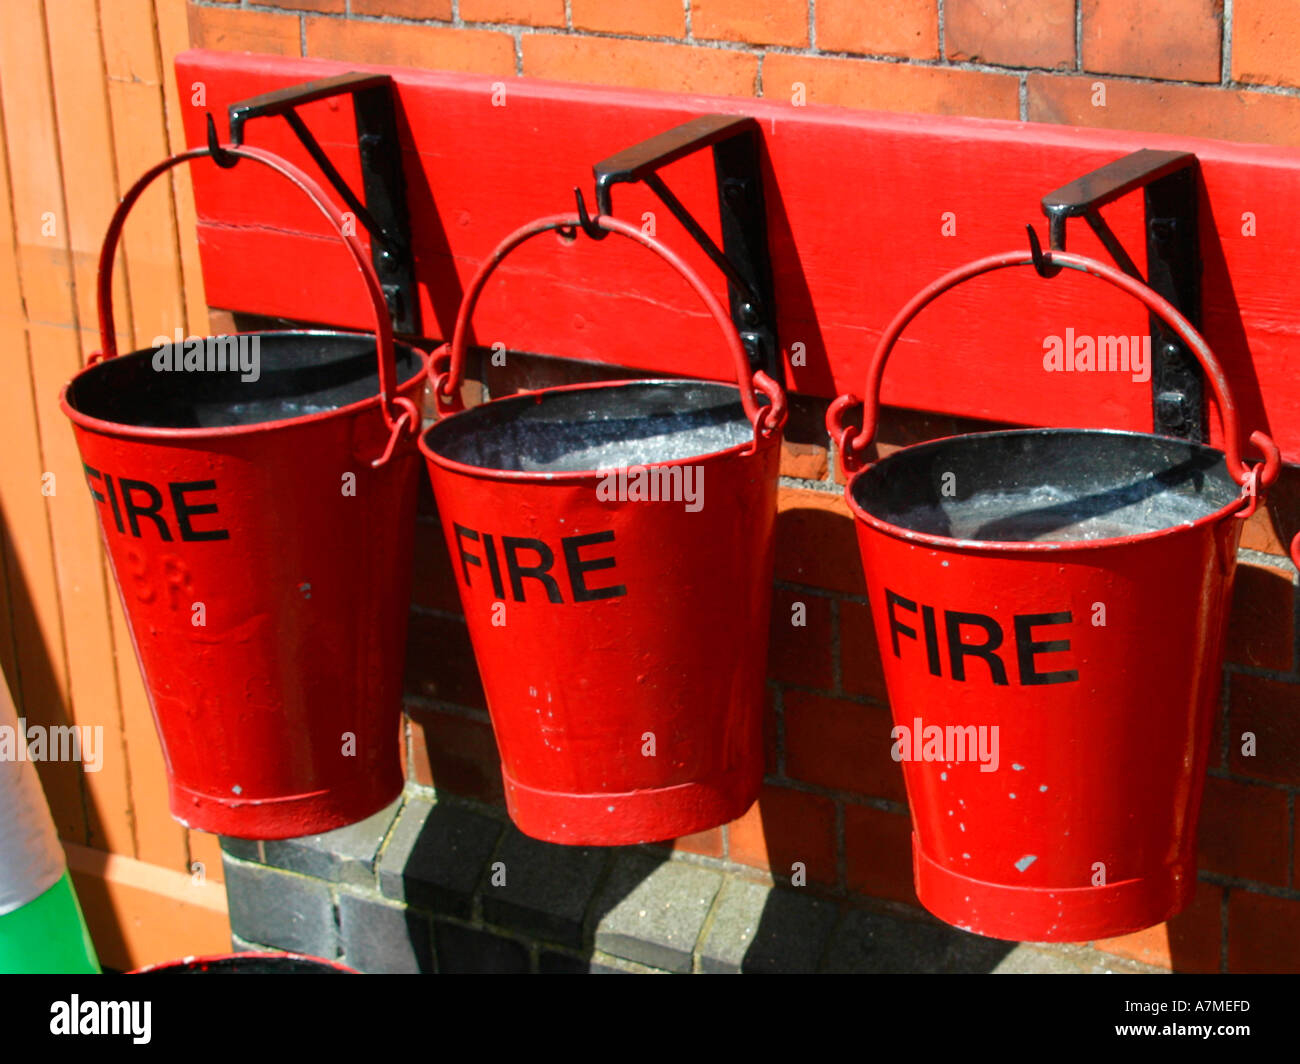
{"type": "Point", "coordinates": [41, 925]}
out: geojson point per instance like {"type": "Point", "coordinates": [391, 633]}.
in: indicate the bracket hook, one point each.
{"type": "Point", "coordinates": [1042, 262]}
{"type": "Point", "coordinates": [220, 156]}
{"type": "Point", "coordinates": [587, 222]}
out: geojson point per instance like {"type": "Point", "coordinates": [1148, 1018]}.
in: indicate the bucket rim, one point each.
{"type": "Point", "coordinates": [975, 546]}
{"type": "Point", "coordinates": [189, 961]}
{"type": "Point", "coordinates": [155, 432]}
{"type": "Point", "coordinates": [585, 476]}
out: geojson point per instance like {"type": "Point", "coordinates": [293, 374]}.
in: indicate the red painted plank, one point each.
{"type": "Point", "coordinates": [856, 204]}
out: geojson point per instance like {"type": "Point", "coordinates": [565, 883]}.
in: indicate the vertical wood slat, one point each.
{"type": "Point", "coordinates": [136, 97]}
{"type": "Point", "coordinates": [85, 139]}
{"type": "Point", "coordinates": [40, 290]}
{"type": "Point", "coordinates": [173, 38]}
{"type": "Point", "coordinates": [150, 250]}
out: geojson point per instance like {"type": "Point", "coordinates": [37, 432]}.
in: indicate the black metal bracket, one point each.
{"type": "Point", "coordinates": [1168, 181]}
{"type": "Point", "coordinates": [744, 257]}
{"type": "Point", "coordinates": [383, 212]}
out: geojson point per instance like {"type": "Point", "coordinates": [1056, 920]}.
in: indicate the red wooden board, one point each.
{"type": "Point", "coordinates": [856, 203]}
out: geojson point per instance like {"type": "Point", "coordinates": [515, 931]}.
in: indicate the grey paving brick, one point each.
{"type": "Point", "coordinates": [652, 912]}
{"type": "Point", "coordinates": [465, 950]}
{"type": "Point", "coordinates": [756, 928]}
{"type": "Point", "coordinates": [542, 889]}
{"type": "Point", "coordinates": [280, 909]}
{"type": "Point", "coordinates": [244, 849]}
{"type": "Point", "coordinates": [550, 963]}
{"type": "Point", "coordinates": [873, 942]}
{"type": "Point", "coordinates": [345, 855]}
{"type": "Point", "coordinates": [1057, 959]}
{"type": "Point", "coordinates": [379, 937]}
{"type": "Point", "coordinates": [435, 856]}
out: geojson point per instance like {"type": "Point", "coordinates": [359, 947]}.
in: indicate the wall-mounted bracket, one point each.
{"type": "Point", "coordinates": [1168, 180]}
{"type": "Point", "coordinates": [382, 211]}
{"type": "Point", "coordinates": [744, 257]}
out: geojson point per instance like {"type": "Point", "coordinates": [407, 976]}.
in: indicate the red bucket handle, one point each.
{"type": "Point", "coordinates": [398, 410]}
{"type": "Point", "coordinates": [1253, 479]}
{"type": "Point", "coordinates": [447, 370]}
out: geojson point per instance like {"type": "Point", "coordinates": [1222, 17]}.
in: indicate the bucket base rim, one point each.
{"type": "Point", "coordinates": [628, 818]}
{"type": "Point", "coordinates": [1049, 914]}
{"type": "Point", "coordinates": [287, 817]}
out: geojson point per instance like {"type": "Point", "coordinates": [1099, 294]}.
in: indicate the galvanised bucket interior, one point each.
{"type": "Point", "coordinates": [595, 427]}
{"type": "Point", "coordinates": [298, 374]}
{"type": "Point", "coordinates": [1046, 485]}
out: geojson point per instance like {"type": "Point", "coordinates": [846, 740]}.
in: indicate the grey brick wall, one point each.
{"type": "Point", "coordinates": [441, 884]}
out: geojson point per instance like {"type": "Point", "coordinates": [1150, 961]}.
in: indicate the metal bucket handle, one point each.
{"type": "Point", "coordinates": [1254, 479]}
{"type": "Point", "coordinates": [447, 367]}
{"type": "Point", "coordinates": [399, 411]}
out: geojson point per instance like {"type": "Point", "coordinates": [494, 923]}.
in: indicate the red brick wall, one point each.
{"type": "Point", "coordinates": [834, 799]}
{"type": "Point", "coordinates": [1174, 66]}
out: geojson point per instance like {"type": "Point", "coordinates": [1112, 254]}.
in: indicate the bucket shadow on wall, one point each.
{"type": "Point", "coordinates": [30, 673]}
{"type": "Point", "coordinates": [35, 687]}
{"type": "Point", "coordinates": [1271, 530]}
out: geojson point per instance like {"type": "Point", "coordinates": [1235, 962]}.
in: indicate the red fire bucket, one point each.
{"type": "Point", "coordinates": [260, 523]}
{"type": "Point", "coordinates": [1050, 607]}
{"type": "Point", "coordinates": [612, 545]}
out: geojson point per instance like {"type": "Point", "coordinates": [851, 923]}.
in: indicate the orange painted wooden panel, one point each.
{"type": "Point", "coordinates": [40, 287]}
{"type": "Point", "coordinates": [140, 914]}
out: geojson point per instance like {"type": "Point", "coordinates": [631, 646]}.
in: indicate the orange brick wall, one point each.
{"type": "Point", "coordinates": [87, 100]}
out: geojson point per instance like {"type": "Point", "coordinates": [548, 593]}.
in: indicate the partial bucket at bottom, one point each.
{"type": "Point", "coordinates": [249, 963]}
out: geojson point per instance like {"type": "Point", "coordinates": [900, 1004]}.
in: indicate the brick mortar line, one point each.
{"type": "Point", "coordinates": [1295, 629]}
{"type": "Point", "coordinates": [836, 648]}
{"type": "Point", "coordinates": [1258, 673]}
{"type": "Point", "coordinates": [705, 927]}
{"type": "Point", "coordinates": [1224, 718]}
{"type": "Point", "coordinates": [485, 877]}
{"type": "Point", "coordinates": [1236, 777]}
{"type": "Point", "coordinates": [841, 696]}
{"type": "Point", "coordinates": [826, 487]}
{"type": "Point", "coordinates": [431, 611]}
{"type": "Point", "coordinates": [1078, 36]}
{"type": "Point", "coordinates": [456, 709]}
{"type": "Point", "coordinates": [1249, 885]}
{"type": "Point", "coordinates": [1225, 44]}
{"type": "Point", "coordinates": [1290, 843]}
{"type": "Point", "coordinates": [778, 712]}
